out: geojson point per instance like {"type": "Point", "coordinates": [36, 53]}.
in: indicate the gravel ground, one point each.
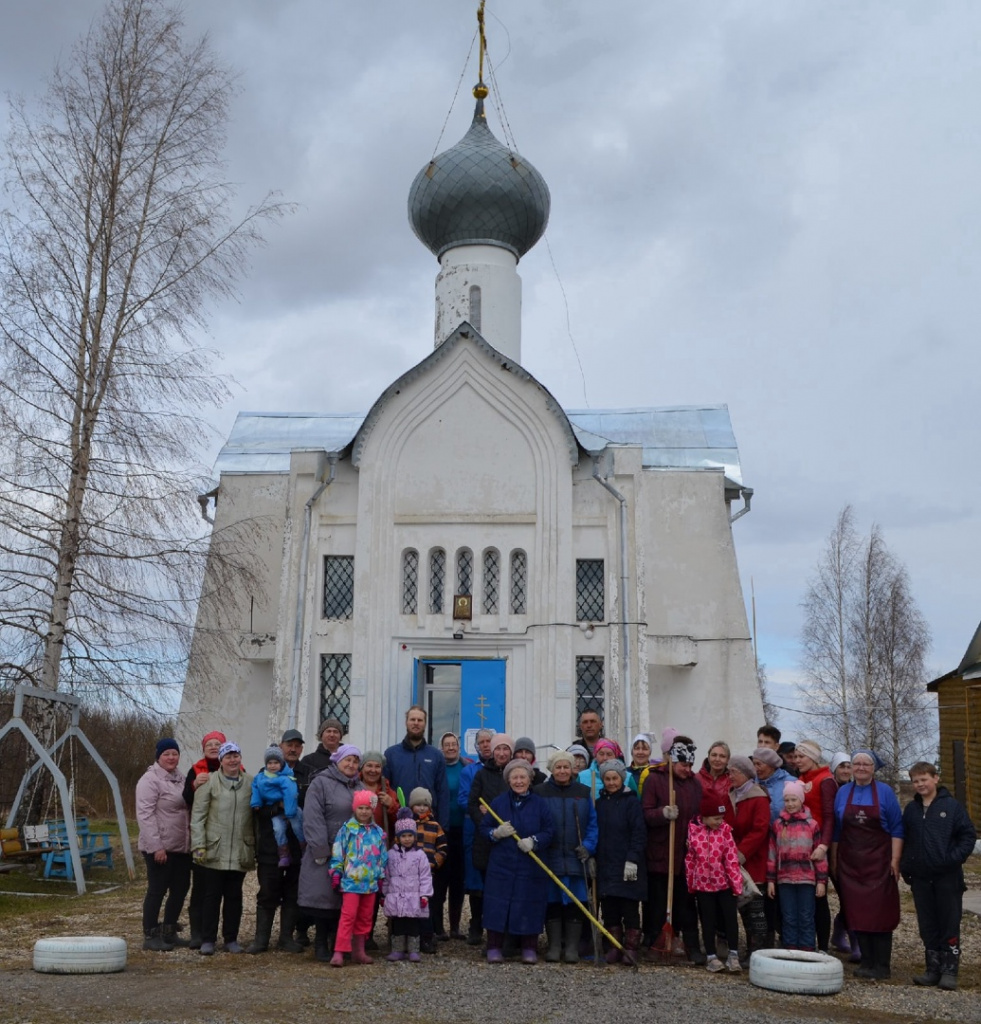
{"type": "Point", "coordinates": [455, 986]}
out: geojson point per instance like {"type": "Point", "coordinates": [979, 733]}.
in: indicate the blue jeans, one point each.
{"type": "Point", "coordinates": [279, 827]}
{"type": "Point", "coordinates": [797, 912]}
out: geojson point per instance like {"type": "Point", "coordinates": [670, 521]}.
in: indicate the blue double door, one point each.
{"type": "Point", "coordinates": [461, 696]}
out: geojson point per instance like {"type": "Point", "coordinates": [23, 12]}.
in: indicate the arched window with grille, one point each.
{"type": "Point", "coordinates": [437, 580]}
{"type": "Point", "coordinates": [492, 581]}
{"type": "Point", "coordinates": [410, 582]}
{"type": "Point", "coordinates": [464, 571]}
{"type": "Point", "coordinates": [519, 582]}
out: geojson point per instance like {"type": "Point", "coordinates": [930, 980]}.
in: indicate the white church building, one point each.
{"type": "Point", "coordinates": [470, 545]}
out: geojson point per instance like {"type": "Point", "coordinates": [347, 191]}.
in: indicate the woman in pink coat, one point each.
{"type": "Point", "coordinates": [165, 842]}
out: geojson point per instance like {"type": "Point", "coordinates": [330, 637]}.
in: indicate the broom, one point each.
{"type": "Point", "coordinates": [668, 944]}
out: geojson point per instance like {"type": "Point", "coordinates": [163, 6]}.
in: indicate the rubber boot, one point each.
{"type": "Point", "coordinates": [631, 944]}
{"type": "Point", "coordinates": [153, 942]}
{"type": "Point", "coordinates": [263, 926]}
{"type": "Point", "coordinates": [398, 948]}
{"type": "Point", "coordinates": [455, 911]}
{"type": "Point", "coordinates": [839, 935]}
{"type": "Point", "coordinates": [412, 945]}
{"type": "Point", "coordinates": [553, 932]}
{"type": "Point", "coordinates": [285, 860]}
{"type": "Point", "coordinates": [322, 942]}
{"type": "Point", "coordinates": [475, 936]}
{"type": "Point", "coordinates": [867, 950]}
{"type": "Point", "coordinates": [614, 955]}
{"type": "Point", "coordinates": [949, 962]}
{"type": "Point", "coordinates": [358, 955]}
{"type": "Point", "coordinates": [168, 932]}
{"type": "Point", "coordinates": [337, 960]}
{"type": "Point", "coordinates": [856, 954]}
{"type": "Point", "coordinates": [288, 916]}
{"type": "Point", "coordinates": [572, 932]}
{"type": "Point", "coordinates": [931, 976]}
{"type": "Point", "coordinates": [882, 946]}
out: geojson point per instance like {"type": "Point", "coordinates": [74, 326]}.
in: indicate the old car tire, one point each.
{"type": "Point", "coordinates": [80, 954]}
{"type": "Point", "coordinates": [796, 971]}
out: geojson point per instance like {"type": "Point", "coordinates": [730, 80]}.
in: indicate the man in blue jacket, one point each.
{"type": "Point", "coordinates": [414, 762]}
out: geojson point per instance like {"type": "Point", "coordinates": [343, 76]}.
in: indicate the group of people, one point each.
{"type": "Point", "coordinates": [597, 850]}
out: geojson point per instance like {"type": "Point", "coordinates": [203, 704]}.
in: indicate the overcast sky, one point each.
{"type": "Point", "coordinates": [768, 204]}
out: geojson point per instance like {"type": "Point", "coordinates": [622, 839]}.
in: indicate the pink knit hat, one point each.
{"type": "Point", "coordinates": [794, 789]}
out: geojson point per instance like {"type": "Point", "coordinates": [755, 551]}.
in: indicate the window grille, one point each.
{"type": "Point", "coordinates": [338, 586]}
{"type": "Point", "coordinates": [410, 582]}
{"type": "Point", "coordinates": [492, 580]}
{"type": "Point", "coordinates": [589, 685]}
{"type": "Point", "coordinates": [519, 583]}
{"type": "Point", "coordinates": [437, 579]}
{"type": "Point", "coordinates": [335, 688]}
{"type": "Point", "coordinates": [589, 590]}
{"type": "Point", "coordinates": [464, 571]}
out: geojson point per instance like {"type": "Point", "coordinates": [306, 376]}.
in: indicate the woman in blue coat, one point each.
{"type": "Point", "coordinates": [515, 893]}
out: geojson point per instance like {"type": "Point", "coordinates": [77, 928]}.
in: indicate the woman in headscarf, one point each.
{"type": "Point", "coordinates": [515, 895]}
{"type": "Point", "coordinates": [328, 805]}
{"type": "Point", "coordinates": [640, 760]}
{"type": "Point", "coordinates": [865, 854]}
{"type": "Point", "coordinates": [603, 750]}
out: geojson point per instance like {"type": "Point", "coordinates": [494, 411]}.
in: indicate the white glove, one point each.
{"type": "Point", "coordinates": [630, 871]}
{"type": "Point", "coordinates": [671, 812]}
{"type": "Point", "coordinates": [503, 831]}
{"type": "Point", "coordinates": [527, 844]}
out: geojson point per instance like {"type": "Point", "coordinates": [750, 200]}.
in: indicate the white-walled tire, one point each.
{"type": "Point", "coordinates": [796, 971]}
{"type": "Point", "coordinates": [80, 954]}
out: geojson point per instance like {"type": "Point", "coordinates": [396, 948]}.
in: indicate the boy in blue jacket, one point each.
{"type": "Point", "coordinates": [275, 785]}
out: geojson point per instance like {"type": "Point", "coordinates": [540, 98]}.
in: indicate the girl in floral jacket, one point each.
{"type": "Point", "coordinates": [713, 876]}
{"type": "Point", "coordinates": [357, 865]}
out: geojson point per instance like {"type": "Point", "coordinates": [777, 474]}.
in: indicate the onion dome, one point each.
{"type": "Point", "coordinates": [479, 193]}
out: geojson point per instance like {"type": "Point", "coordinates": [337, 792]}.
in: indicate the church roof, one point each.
{"type": "Point", "coordinates": [685, 437]}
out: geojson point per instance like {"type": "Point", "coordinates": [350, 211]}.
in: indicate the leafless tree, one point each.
{"type": "Point", "coordinates": [865, 643]}
{"type": "Point", "coordinates": [117, 234]}
{"type": "Point", "coordinates": [769, 710]}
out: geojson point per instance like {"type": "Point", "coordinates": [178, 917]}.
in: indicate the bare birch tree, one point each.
{"type": "Point", "coordinates": [117, 234]}
{"type": "Point", "coordinates": [864, 644]}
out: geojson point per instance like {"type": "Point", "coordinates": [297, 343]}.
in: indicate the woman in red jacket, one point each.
{"type": "Point", "coordinates": [714, 777]}
{"type": "Point", "coordinates": [752, 834]}
{"type": "Point", "coordinates": [819, 798]}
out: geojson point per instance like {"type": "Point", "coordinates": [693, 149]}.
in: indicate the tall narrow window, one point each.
{"type": "Point", "coordinates": [475, 306]}
{"type": "Point", "coordinates": [590, 601]}
{"type": "Point", "coordinates": [589, 685]}
{"type": "Point", "coordinates": [492, 580]}
{"type": "Point", "coordinates": [519, 583]}
{"type": "Point", "coordinates": [335, 688]}
{"type": "Point", "coordinates": [338, 586]}
{"type": "Point", "coordinates": [437, 579]}
{"type": "Point", "coordinates": [410, 582]}
{"type": "Point", "coordinates": [464, 571]}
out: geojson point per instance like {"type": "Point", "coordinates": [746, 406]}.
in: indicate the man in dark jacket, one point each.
{"type": "Point", "coordinates": [331, 733]}
{"type": "Point", "coordinates": [277, 886]}
{"type": "Point", "coordinates": [939, 838]}
{"type": "Point", "coordinates": [414, 762]}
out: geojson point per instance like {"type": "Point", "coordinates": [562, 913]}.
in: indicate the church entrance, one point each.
{"type": "Point", "coordinates": [461, 696]}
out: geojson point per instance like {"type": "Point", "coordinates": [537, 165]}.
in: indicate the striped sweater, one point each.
{"type": "Point", "coordinates": [431, 838]}
{"type": "Point", "coordinates": [793, 838]}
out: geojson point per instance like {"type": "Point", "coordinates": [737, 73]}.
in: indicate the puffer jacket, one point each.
{"type": "Point", "coordinates": [407, 878]}
{"type": "Point", "coordinates": [269, 790]}
{"type": "Point", "coordinates": [326, 808]}
{"type": "Point", "coordinates": [793, 839]}
{"type": "Point", "coordinates": [359, 856]}
{"type": "Point", "coordinates": [574, 817]}
{"type": "Point", "coordinates": [221, 823]}
{"type": "Point", "coordinates": [712, 863]}
{"type": "Point", "coordinates": [938, 839]}
{"type": "Point", "coordinates": [162, 814]}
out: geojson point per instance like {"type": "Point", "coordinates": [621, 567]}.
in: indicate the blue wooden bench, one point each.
{"type": "Point", "coordinates": [93, 848]}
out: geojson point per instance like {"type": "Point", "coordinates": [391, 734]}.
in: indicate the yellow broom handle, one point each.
{"type": "Point", "coordinates": [551, 874]}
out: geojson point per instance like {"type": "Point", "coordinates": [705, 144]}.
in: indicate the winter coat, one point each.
{"type": "Point", "coordinates": [793, 839]}
{"type": "Point", "coordinates": [431, 839]}
{"type": "Point", "coordinates": [592, 779]}
{"type": "Point", "coordinates": [407, 878]}
{"type": "Point", "coordinates": [201, 767]}
{"type": "Point", "coordinates": [712, 863]}
{"type": "Point", "coordinates": [687, 797]}
{"type": "Point", "coordinates": [384, 818]}
{"type": "Point", "coordinates": [317, 760]}
{"type": "Point", "coordinates": [820, 790]}
{"type": "Point", "coordinates": [453, 773]}
{"type": "Point", "coordinates": [408, 766]}
{"type": "Point", "coordinates": [938, 839]}
{"type": "Point", "coordinates": [359, 856]}
{"type": "Point", "coordinates": [280, 787]}
{"type": "Point", "coordinates": [487, 784]}
{"type": "Point", "coordinates": [774, 790]}
{"type": "Point", "coordinates": [622, 838]}
{"type": "Point", "coordinates": [221, 823]}
{"type": "Point", "coordinates": [574, 816]}
{"type": "Point", "coordinates": [327, 808]}
{"type": "Point", "coordinates": [162, 814]}
{"type": "Point", "coordinates": [719, 788]}
{"type": "Point", "coordinates": [752, 830]}
{"type": "Point", "coordinates": [515, 893]}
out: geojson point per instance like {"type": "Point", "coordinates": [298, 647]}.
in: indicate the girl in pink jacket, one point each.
{"type": "Point", "coordinates": [712, 872]}
{"type": "Point", "coordinates": [408, 889]}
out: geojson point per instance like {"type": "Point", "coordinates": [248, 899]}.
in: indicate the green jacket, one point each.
{"type": "Point", "coordinates": [221, 824]}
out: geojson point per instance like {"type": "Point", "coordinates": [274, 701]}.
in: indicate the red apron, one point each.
{"type": "Point", "coordinates": [868, 890]}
